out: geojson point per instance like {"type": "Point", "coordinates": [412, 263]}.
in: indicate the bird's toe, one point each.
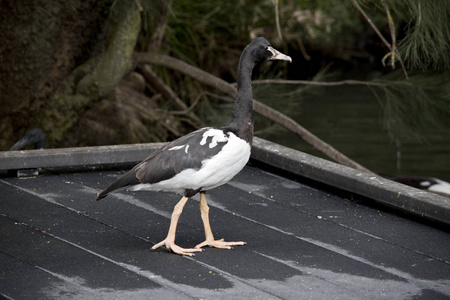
{"type": "Point", "coordinates": [171, 246]}
{"type": "Point", "coordinates": [221, 244]}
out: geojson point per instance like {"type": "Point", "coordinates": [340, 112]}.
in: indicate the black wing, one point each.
{"type": "Point", "coordinates": [186, 152]}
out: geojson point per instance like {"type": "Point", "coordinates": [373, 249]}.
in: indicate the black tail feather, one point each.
{"type": "Point", "coordinates": [127, 179]}
{"type": "Point", "coordinates": [101, 195]}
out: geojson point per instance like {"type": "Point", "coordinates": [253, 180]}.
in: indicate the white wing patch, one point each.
{"type": "Point", "coordinates": [177, 147]}
{"type": "Point", "coordinates": [217, 137]}
{"type": "Point", "coordinates": [180, 147]}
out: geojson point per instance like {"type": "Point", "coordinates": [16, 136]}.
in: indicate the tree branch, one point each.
{"type": "Point", "coordinates": [393, 50]}
{"type": "Point", "coordinates": [392, 31]}
{"type": "Point", "coordinates": [260, 108]}
{"type": "Point", "coordinates": [277, 19]}
{"type": "Point", "coordinates": [167, 93]}
{"type": "Point", "coordinates": [163, 8]}
{"type": "Point", "coordinates": [331, 83]}
{"type": "Point", "coordinates": [116, 61]}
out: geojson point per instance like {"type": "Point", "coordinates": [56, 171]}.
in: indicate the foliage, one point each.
{"type": "Point", "coordinates": [426, 41]}
{"type": "Point", "coordinates": [413, 109]}
{"type": "Point", "coordinates": [210, 34]}
{"type": "Point", "coordinates": [202, 32]}
{"type": "Point", "coordinates": [416, 105]}
{"type": "Point", "coordinates": [422, 27]}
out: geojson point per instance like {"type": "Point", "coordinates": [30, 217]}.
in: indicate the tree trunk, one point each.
{"type": "Point", "coordinates": [95, 80]}
{"type": "Point", "coordinates": [62, 69]}
{"type": "Point", "coordinates": [42, 42]}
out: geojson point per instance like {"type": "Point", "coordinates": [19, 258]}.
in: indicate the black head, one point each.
{"type": "Point", "coordinates": [261, 50]}
{"type": "Point", "coordinates": [34, 137]}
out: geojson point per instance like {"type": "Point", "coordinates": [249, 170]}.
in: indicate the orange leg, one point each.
{"type": "Point", "coordinates": [204, 210]}
{"type": "Point", "coordinates": [169, 241]}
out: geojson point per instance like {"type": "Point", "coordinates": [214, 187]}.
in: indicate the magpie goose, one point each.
{"type": "Point", "coordinates": [430, 184]}
{"type": "Point", "coordinates": [34, 137]}
{"type": "Point", "coordinates": [203, 159]}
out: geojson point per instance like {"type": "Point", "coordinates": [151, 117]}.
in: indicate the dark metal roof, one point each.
{"type": "Point", "coordinates": [305, 240]}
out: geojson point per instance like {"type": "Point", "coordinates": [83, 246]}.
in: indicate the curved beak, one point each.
{"type": "Point", "coordinates": [26, 140]}
{"type": "Point", "coordinates": [277, 55]}
{"type": "Point", "coordinates": [34, 137]}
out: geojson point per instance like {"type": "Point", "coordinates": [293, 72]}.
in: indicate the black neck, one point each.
{"type": "Point", "coordinates": [242, 121]}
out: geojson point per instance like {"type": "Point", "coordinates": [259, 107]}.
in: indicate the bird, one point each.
{"type": "Point", "coordinates": [430, 184]}
{"type": "Point", "coordinates": [34, 137]}
{"type": "Point", "coordinates": [204, 159]}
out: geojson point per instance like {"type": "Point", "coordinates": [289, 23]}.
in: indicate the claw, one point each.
{"type": "Point", "coordinates": [221, 244]}
{"type": "Point", "coordinates": [177, 249]}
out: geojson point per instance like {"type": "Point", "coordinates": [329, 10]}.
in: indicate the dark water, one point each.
{"type": "Point", "coordinates": [349, 118]}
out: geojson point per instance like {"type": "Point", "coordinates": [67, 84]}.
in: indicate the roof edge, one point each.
{"type": "Point", "coordinates": [77, 157]}
{"type": "Point", "coordinates": [387, 192]}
